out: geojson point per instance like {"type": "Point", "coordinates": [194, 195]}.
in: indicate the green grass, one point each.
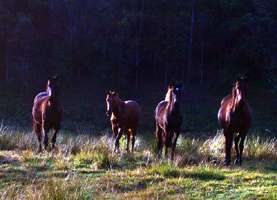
{"type": "Point", "coordinates": [85, 167]}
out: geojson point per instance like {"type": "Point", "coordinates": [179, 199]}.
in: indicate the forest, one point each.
{"type": "Point", "coordinates": [121, 42]}
{"type": "Point", "coordinates": [102, 49]}
{"type": "Point", "coordinates": [135, 47]}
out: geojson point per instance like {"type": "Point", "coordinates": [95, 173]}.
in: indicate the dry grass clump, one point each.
{"type": "Point", "coordinates": [257, 147]}
{"type": "Point", "coordinates": [193, 151]}
{"type": "Point", "coordinates": [50, 189]}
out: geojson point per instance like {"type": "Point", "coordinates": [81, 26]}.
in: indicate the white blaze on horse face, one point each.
{"type": "Point", "coordinates": [239, 95]}
{"type": "Point", "coordinates": [49, 91]}
{"type": "Point", "coordinates": [174, 97]}
{"type": "Point", "coordinates": [167, 97]}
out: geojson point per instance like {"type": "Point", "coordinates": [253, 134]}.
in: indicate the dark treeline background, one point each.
{"type": "Point", "coordinates": [137, 43]}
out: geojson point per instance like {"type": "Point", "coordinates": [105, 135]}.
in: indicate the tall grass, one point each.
{"type": "Point", "coordinates": [50, 189]}
{"type": "Point", "coordinates": [212, 149]}
{"type": "Point", "coordinates": [15, 139]}
{"type": "Point", "coordinates": [97, 152]}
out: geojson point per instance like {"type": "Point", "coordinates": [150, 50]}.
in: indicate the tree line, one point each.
{"type": "Point", "coordinates": [125, 41]}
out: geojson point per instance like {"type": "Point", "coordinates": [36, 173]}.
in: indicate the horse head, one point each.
{"type": "Point", "coordinates": [53, 86]}
{"type": "Point", "coordinates": [174, 92]}
{"type": "Point", "coordinates": [112, 99]}
{"type": "Point", "coordinates": [238, 92]}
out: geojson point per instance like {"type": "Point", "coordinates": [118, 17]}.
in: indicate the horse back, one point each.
{"type": "Point", "coordinates": [44, 110]}
{"type": "Point", "coordinates": [40, 96]}
{"type": "Point", "coordinates": [172, 119]}
{"type": "Point", "coordinates": [132, 112]}
{"type": "Point", "coordinates": [227, 118]}
{"type": "Point", "coordinates": [39, 101]}
{"type": "Point", "coordinates": [160, 112]}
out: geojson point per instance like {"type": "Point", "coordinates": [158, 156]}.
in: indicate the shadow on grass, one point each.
{"type": "Point", "coordinates": [201, 174]}
{"type": "Point", "coordinates": [90, 173]}
{"type": "Point", "coordinates": [13, 175]}
{"type": "Point", "coordinates": [265, 166]}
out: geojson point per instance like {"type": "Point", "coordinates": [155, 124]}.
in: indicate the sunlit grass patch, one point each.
{"type": "Point", "coordinates": [85, 167]}
{"type": "Point", "coordinates": [261, 148]}
{"type": "Point", "coordinates": [15, 139]}
{"type": "Point", "coordinates": [165, 170]}
{"type": "Point", "coordinates": [51, 189]}
{"type": "Point", "coordinates": [97, 159]}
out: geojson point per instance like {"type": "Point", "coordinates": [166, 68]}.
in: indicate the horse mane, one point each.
{"type": "Point", "coordinates": [49, 91]}
{"type": "Point", "coordinates": [118, 102]}
{"type": "Point", "coordinates": [170, 98]}
{"type": "Point", "coordinates": [234, 100]}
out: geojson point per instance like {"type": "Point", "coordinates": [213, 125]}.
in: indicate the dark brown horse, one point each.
{"type": "Point", "coordinates": [234, 117]}
{"type": "Point", "coordinates": [47, 113]}
{"type": "Point", "coordinates": [124, 116]}
{"type": "Point", "coordinates": [168, 119]}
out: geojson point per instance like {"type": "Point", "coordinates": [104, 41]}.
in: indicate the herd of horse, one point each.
{"type": "Point", "coordinates": [234, 117]}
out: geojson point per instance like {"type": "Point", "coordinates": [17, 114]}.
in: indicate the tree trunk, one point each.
{"type": "Point", "coordinates": [139, 29]}
{"type": "Point", "coordinates": [3, 67]}
{"type": "Point", "coordinates": [190, 45]}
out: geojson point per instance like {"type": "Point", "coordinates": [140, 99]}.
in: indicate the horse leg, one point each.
{"type": "Point", "coordinates": [120, 132]}
{"type": "Point", "coordinates": [39, 136]}
{"type": "Point", "coordinates": [228, 147]}
{"type": "Point", "coordinates": [159, 141]}
{"type": "Point", "coordinates": [115, 130]}
{"type": "Point", "coordinates": [168, 142]}
{"type": "Point", "coordinates": [174, 142]}
{"type": "Point", "coordinates": [128, 140]}
{"type": "Point", "coordinates": [45, 131]}
{"type": "Point", "coordinates": [166, 152]}
{"type": "Point", "coordinates": [237, 139]}
{"type": "Point", "coordinates": [37, 130]}
{"type": "Point", "coordinates": [134, 133]}
{"type": "Point", "coordinates": [54, 137]}
{"type": "Point", "coordinates": [241, 147]}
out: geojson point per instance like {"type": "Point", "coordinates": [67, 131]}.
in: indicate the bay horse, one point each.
{"type": "Point", "coordinates": [234, 117]}
{"type": "Point", "coordinates": [47, 113]}
{"type": "Point", "coordinates": [124, 117]}
{"type": "Point", "coordinates": [168, 118]}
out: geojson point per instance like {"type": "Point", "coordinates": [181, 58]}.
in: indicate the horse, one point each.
{"type": "Point", "coordinates": [124, 118]}
{"type": "Point", "coordinates": [43, 94]}
{"type": "Point", "coordinates": [234, 117]}
{"type": "Point", "coordinates": [47, 113]}
{"type": "Point", "coordinates": [168, 118]}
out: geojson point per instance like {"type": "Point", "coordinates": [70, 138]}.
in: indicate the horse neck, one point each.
{"type": "Point", "coordinates": [172, 103]}
{"type": "Point", "coordinates": [236, 102]}
{"type": "Point", "coordinates": [118, 108]}
{"type": "Point", "coordinates": [55, 100]}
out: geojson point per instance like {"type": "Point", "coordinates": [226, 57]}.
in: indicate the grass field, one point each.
{"type": "Point", "coordinates": [84, 167]}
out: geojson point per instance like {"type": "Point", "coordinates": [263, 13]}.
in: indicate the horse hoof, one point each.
{"type": "Point", "coordinates": [39, 150]}
{"type": "Point", "coordinates": [227, 163]}
{"type": "Point", "coordinates": [237, 162]}
{"type": "Point", "coordinates": [55, 149]}
{"type": "Point", "coordinates": [116, 151]}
